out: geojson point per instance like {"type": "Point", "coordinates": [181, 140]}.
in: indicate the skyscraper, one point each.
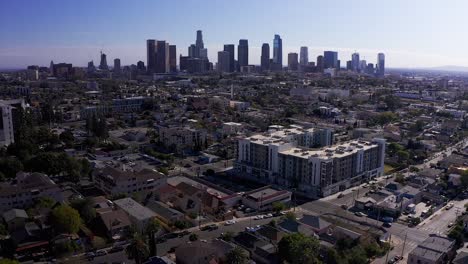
{"type": "Point", "coordinates": [380, 65]}
{"type": "Point", "coordinates": [103, 63]}
{"type": "Point", "coordinates": [330, 59]}
{"type": "Point", "coordinates": [278, 51]}
{"type": "Point", "coordinates": [199, 41]}
{"type": "Point", "coordinates": [355, 62]}
{"type": "Point", "coordinates": [162, 56]}
{"type": "Point", "coordinates": [320, 64]}
{"type": "Point", "coordinates": [151, 55]}
{"type": "Point", "coordinates": [223, 61]}
{"type": "Point", "coordinates": [293, 64]}
{"type": "Point", "coordinates": [243, 53]}
{"type": "Point", "coordinates": [304, 56]}
{"type": "Point", "coordinates": [117, 66]}
{"type": "Point", "coordinates": [265, 58]}
{"type": "Point", "coordinates": [172, 58]}
{"type": "Point", "coordinates": [230, 48]}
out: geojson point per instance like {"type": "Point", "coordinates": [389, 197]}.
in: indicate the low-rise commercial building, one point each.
{"type": "Point", "coordinates": [434, 250]}
{"type": "Point", "coordinates": [262, 199]}
{"type": "Point", "coordinates": [139, 215]}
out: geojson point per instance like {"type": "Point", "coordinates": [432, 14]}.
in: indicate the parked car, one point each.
{"type": "Point", "coordinates": [101, 252]}
{"type": "Point", "coordinates": [213, 227]}
{"type": "Point", "coordinates": [230, 222]}
{"type": "Point", "coordinates": [387, 224]}
{"type": "Point", "coordinates": [360, 214]}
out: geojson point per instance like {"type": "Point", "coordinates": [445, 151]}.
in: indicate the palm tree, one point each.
{"type": "Point", "coordinates": [237, 256]}
{"type": "Point", "coordinates": [137, 249]}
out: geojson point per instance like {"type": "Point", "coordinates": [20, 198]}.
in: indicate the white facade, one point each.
{"type": "Point", "coordinates": [6, 125]}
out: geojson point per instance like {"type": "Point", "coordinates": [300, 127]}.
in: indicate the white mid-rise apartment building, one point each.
{"type": "Point", "coordinates": [6, 125]}
{"type": "Point", "coordinates": [7, 111]}
{"type": "Point", "coordinates": [288, 161]}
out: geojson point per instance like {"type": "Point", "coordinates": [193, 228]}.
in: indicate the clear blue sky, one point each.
{"type": "Point", "coordinates": [412, 33]}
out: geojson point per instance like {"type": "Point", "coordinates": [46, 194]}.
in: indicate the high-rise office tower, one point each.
{"type": "Point", "coordinates": [204, 53]}
{"type": "Point", "coordinates": [320, 63]}
{"type": "Point", "coordinates": [172, 58]}
{"type": "Point", "coordinates": [199, 41]}
{"type": "Point", "coordinates": [117, 66]}
{"type": "Point", "coordinates": [162, 56]}
{"type": "Point", "coordinates": [193, 52]}
{"type": "Point", "coordinates": [349, 65]}
{"type": "Point", "coordinates": [380, 65]}
{"type": "Point", "coordinates": [293, 63]}
{"type": "Point", "coordinates": [362, 65]}
{"type": "Point", "coordinates": [91, 67]}
{"type": "Point", "coordinates": [151, 55]}
{"type": "Point", "coordinates": [330, 59]}
{"type": "Point", "coordinates": [278, 51]}
{"type": "Point", "coordinates": [103, 63]}
{"type": "Point", "coordinates": [230, 48]}
{"type": "Point", "coordinates": [304, 56]}
{"type": "Point", "coordinates": [265, 58]}
{"type": "Point", "coordinates": [141, 66]}
{"type": "Point", "coordinates": [370, 69]}
{"type": "Point", "coordinates": [223, 61]}
{"type": "Point", "coordinates": [355, 62]}
{"type": "Point", "coordinates": [243, 53]}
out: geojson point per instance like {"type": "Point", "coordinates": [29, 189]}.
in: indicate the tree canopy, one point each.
{"type": "Point", "coordinates": [298, 248]}
{"type": "Point", "coordinates": [66, 219]}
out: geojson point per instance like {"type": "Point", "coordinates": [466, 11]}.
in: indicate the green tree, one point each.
{"type": "Point", "coordinates": [357, 256]}
{"type": "Point", "coordinates": [402, 155]}
{"type": "Point", "coordinates": [66, 219]}
{"type": "Point", "coordinates": [9, 166]}
{"type": "Point", "coordinates": [278, 206]}
{"type": "Point", "coordinates": [137, 249]}
{"type": "Point", "coordinates": [85, 209]}
{"type": "Point", "coordinates": [67, 137]}
{"type": "Point", "coordinates": [332, 257]}
{"type": "Point", "coordinates": [8, 261]}
{"type": "Point", "coordinates": [193, 237]}
{"type": "Point", "coordinates": [45, 202]}
{"type": "Point", "coordinates": [298, 248]}
{"type": "Point", "coordinates": [464, 179]}
{"type": "Point", "coordinates": [228, 236]}
{"type": "Point", "coordinates": [237, 256]}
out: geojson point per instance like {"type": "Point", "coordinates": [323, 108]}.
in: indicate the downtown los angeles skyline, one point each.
{"type": "Point", "coordinates": [410, 34]}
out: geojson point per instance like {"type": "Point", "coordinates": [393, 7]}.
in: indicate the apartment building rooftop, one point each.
{"type": "Point", "coordinates": [336, 151]}
{"type": "Point", "coordinates": [134, 209]}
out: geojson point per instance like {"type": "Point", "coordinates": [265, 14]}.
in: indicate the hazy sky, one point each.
{"type": "Point", "coordinates": [412, 33]}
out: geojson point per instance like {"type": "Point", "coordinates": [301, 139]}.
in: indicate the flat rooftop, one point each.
{"type": "Point", "coordinates": [336, 151]}
{"type": "Point", "coordinates": [134, 209]}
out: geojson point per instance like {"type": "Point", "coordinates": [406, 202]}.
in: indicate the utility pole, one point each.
{"type": "Point", "coordinates": [404, 244]}
{"type": "Point", "coordinates": [388, 252]}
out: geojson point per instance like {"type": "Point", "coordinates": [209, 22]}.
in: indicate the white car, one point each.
{"type": "Point", "coordinates": [230, 222]}
{"type": "Point", "coordinates": [257, 217]}
{"type": "Point", "coordinates": [268, 216]}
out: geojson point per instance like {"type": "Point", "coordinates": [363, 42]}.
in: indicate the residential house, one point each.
{"type": "Point", "coordinates": [139, 215]}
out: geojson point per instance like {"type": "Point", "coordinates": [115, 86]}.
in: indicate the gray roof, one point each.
{"type": "Point", "coordinates": [163, 210]}
{"type": "Point", "coordinates": [427, 254]}
{"type": "Point", "coordinates": [438, 243]}
{"type": "Point", "coordinates": [314, 222]}
{"type": "Point", "coordinates": [134, 209]}
{"type": "Point", "coordinates": [461, 258]}
{"type": "Point", "coordinates": [14, 213]}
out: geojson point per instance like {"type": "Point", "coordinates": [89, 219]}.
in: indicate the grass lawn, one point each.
{"type": "Point", "coordinates": [388, 169]}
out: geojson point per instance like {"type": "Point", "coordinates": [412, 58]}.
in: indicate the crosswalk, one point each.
{"type": "Point", "coordinates": [432, 230]}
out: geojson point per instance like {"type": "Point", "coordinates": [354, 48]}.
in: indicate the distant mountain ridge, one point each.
{"type": "Point", "coordinates": [452, 68]}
